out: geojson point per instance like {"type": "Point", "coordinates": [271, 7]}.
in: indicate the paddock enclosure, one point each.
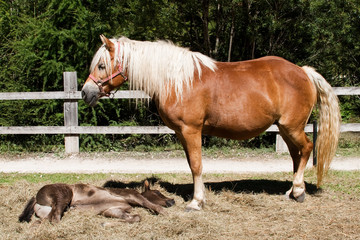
{"type": "Point", "coordinates": [238, 207]}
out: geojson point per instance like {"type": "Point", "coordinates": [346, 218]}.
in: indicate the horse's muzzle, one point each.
{"type": "Point", "coordinates": [90, 94]}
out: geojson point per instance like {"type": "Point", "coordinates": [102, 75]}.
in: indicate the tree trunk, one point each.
{"type": "Point", "coordinates": [205, 19]}
{"type": "Point", "coordinates": [219, 24]}
{"type": "Point", "coordinates": [231, 35]}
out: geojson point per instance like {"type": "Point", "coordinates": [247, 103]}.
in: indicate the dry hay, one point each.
{"type": "Point", "coordinates": [237, 209]}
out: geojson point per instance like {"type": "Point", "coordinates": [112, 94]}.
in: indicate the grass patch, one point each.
{"type": "Point", "coordinates": [12, 178]}
{"type": "Point", "coordinates": [346, 182]}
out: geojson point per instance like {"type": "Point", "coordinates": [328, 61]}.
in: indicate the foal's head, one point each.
{"type": "Point", "coordinates": [106, 72]}
{"type": "Point", "coordinates": [156, 197]}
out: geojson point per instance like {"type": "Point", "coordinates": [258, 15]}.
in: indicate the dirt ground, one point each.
{"type": "Point", "coordinates": [240, 205]}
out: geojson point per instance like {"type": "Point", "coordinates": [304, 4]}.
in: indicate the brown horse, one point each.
{"type": "Point", "coordinates": [53, 200]}
{"type": "Point", "coordinates": [196, 95]}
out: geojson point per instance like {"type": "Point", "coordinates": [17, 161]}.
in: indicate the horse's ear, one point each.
{"type": "Point", "coordinates": [108, 44]}
{"type": "Point", "coordinates": [146, 186]}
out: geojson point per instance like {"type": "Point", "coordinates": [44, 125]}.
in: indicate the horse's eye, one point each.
{"type": "Point", "coordinates": [101, 66]}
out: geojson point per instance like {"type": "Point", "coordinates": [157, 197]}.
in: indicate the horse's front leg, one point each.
{"type": "Point", "coordinates": [191, 141]}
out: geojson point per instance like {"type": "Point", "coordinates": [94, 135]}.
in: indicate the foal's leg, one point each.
{"type": "Point", "coordinates": [57, 211]}
{"type": "Point", "coordinates": [300, 148]}
{"type": "Point", "coordinates": [134, 198]}
{"type": "Point", "coordinates": [140, 200]}
{"type": "Point", "coordinates": [191, 141]}
{"type": "Point", "coordinates": [118, 212]}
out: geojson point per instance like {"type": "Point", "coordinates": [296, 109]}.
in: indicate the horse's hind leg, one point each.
{"type": "Point", "coordinates": [300, 148]}
{"type": "Point", "coordinates": [57, 211]}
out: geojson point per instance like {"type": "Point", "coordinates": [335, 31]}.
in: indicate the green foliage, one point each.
{"type": "Point", "coordinates": [40, 39]}
{"type": "Point", "coordinates": [70, 178]}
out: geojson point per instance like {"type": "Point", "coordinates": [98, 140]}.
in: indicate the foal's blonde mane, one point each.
{"type": "Point", "coordinates": [154, 67]}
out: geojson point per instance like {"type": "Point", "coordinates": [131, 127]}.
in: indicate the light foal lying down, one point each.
{"type": "Point", "coordinates": [54, 199]}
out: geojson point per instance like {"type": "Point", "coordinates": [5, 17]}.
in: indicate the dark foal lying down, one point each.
{"type": "Point", "coordinates": [54, 199]}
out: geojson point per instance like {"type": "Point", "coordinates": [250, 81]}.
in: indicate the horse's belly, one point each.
{"type": "Point", "coordinates": [240, 115]}
{"type": "Point", "coordinates": [234, 133]}
{"type": "Point", "coordinates": [238, 127]}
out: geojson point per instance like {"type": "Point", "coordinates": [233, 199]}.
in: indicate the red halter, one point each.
{"type": "Point", "coordinates": [100, 82]}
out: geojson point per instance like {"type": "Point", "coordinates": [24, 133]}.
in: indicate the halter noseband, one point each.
{"type": "Point", "coordinates": [100, 82]}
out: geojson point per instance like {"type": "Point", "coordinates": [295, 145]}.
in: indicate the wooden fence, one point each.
{"type": "Point", "coordinates": [72, 130]}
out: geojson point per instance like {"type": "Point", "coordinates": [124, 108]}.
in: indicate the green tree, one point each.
{"type": "Point", "coordinates": [40, 39]}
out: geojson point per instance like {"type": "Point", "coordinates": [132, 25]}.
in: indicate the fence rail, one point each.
{"type": "Point", "coordinates": [348, 127]}
{"type": "Point", "coordinates": [76, 95]}
{"type": "Point", "coordinates": [71, 130]}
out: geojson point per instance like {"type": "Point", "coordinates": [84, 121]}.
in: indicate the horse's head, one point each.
{"type": "Point", "coordinates": [156, 197]}
{"type": "Point", "coordinates": [106, 72]}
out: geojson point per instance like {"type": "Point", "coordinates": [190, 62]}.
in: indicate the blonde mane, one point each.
{"type": "Point", "coordinates": [154, 67]}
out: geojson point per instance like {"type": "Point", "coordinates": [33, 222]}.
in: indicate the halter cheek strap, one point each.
{"type": "Point", "coordinates": [117, 73]}
{"type": "Point", "coordinates": [100, 82]}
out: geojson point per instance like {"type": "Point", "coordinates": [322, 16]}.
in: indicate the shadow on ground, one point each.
{"type": "Point", "coordinates": [272, 187]}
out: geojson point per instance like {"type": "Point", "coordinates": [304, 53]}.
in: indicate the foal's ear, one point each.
{"type": "Point", "coordinates": [108, 44]}
{"type": "Point", "coordinates": [146, 186]}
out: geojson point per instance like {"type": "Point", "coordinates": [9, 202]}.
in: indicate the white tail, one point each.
{"type": "Point", "coordinates": [329, 122]}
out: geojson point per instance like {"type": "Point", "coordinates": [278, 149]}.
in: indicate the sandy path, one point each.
{"type": "Point", "coordinates": [93, 163]}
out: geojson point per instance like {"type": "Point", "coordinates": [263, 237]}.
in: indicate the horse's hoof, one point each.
{"type": "Point", "coordinates": [300, 198]}
{"type": "Point", "coordinates": [190, 209]}
{"type": "Point", "coordinates": [193, 206]}
{"type": "Point", "coordinates": [170, 203]}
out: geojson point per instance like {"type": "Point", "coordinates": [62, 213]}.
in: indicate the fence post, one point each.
{"type": "Point", "coordinates": [281, 146]}
{"type": "Point", "coordinates": [71, 112]}
{"type": "Point", "coordinates": [314, 142]}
